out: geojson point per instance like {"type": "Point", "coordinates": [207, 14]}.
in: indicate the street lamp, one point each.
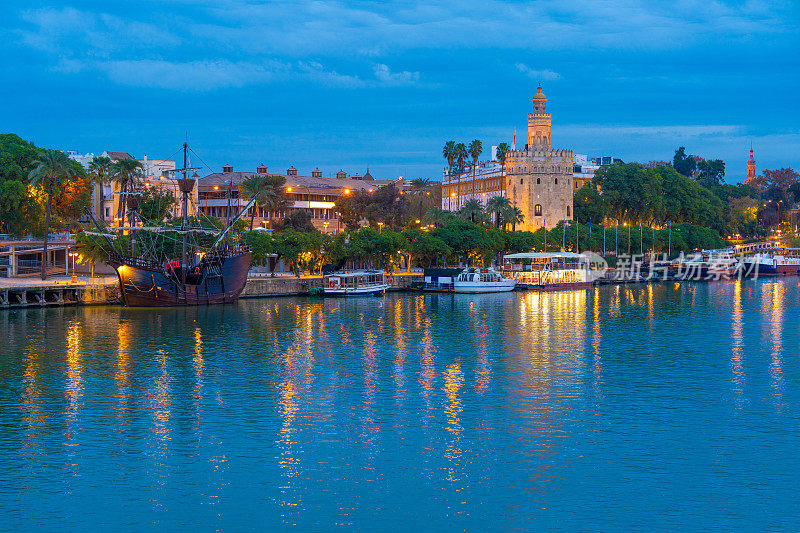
{"type": "Point", "coordinates": [325, 225]}
{"type": "Point", "coordinates": [73, 255]}
{"type": "Point", "coordinates": [380, 227]}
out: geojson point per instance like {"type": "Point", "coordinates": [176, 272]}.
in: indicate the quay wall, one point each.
{"type": "Point", "coordinates": [108, 293]}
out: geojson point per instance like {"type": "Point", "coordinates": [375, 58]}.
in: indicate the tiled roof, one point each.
{"type": "Point", "coordinates": [301, 182]}
{"type": "Point", "coordinates": [119, 155]}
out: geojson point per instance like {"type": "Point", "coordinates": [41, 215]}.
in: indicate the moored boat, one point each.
{"type": "Point", "coordinates": [705, 265]}
{"type": "Point", "coordinates": [203, 272]}
{"type": "Point", "coordinates": [547, 271]}
{"type": "Point", "coordinates": [477, 280]}
{"type": "Point", "coordinates": [355, 283]}
{"type": "Point", "coordinates": [776, 262]}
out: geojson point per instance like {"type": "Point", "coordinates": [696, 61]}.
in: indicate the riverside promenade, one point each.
{"type": "Point", "coordinates": [21, 292]}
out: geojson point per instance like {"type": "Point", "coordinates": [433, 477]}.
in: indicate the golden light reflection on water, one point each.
{"type": "Point", "coordinates": [401, 349]}
{"type": "Point", "coordinates": [483, 370]}
{"type": "Point", "coordinates": [453, 381]}
{"type": "Point", "coordinates": [125, 336]}
{"type": "Point", "coordinates": [737, 338]}
{"type": "Point", "coordinates": [775, 311]}
{"type": "Point", "coordinates": [427, 376]}
{"type": "Point", "coordinates": [74, 387]}
{"type": "Point", "coordinates": [35, 417]}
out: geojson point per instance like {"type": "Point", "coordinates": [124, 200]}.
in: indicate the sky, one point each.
{"type": "Point", "coordinates": [352, 85]}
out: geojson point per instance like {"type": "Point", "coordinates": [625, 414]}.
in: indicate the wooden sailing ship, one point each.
{"type": "Point", "coordinates": [201, 275]}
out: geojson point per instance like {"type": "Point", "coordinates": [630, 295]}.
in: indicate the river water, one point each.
{"type": "Point", "coordinates": [648, 407]}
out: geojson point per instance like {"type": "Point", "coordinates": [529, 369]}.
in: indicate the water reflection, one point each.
{"type": "Point", "coordinates": [737, 346]}
{"type": "Point", "coordinates": [313, 412]}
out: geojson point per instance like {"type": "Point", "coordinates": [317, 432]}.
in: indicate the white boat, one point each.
{"type": "Point", "coordinates": [776, 262]}
{"type": "Point", "coordinates": [355, 283]}
{"type": "Point", "coordinates": [475, 280]}
{"type": "Point", "coordinates": [546, 271]}
{"type": "Point", "coordinates": [705, 265]}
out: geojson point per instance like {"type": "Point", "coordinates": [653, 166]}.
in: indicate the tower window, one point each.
{"type": "Point", "coordinates": [538, 181]}
{"type": "Point", "coordinates": [568, 211]}
{"type": "Point", "coordinates": [520, 181]}
{"type": "Point", "coordinates": [556, 181]}
{"type": "Point", "coordinates": [537, 211]}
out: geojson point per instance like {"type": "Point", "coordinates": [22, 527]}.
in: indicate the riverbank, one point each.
{"type": "Point", "coordinates": [61, 291]}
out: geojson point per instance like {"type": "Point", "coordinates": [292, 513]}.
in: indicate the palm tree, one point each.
{"type": "Point", "coordinates": [475, 148]}
{"type": "Point", "coordinates": [437, 217]}
{"type": "Point", "coordinates": [100, 172]}
{"type": "Point", "coordinates": [272, 197]}
{"type": "Point", "coordinates": [251, 187]}
{"type": "Point", "coordinates": [125, 172]}
{"type": "Point", "coordinates": [461, 155]}
{"type": "Point", "coordinates": [472, 209]}
{"type": "Point", "coordinates": [502, 150]}
{"type": "Point", "coordinates": [449, 153]}
{"type": "Point", "coordinates": [497, 205]}
{"type": "Point", "coordinates": [513, 216]}
{"type": "Point", "coordinates": [420, 185]}
{"type": "Point", "coordinates": [51, 167]}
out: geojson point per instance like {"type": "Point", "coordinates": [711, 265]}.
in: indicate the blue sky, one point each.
{"type": "Point", "coordinates": [385, 84]}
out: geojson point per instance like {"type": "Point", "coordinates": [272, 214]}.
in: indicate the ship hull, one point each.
{"type": "Point", "coordinates": [154, 287]}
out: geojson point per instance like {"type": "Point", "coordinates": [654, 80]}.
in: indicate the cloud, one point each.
{"type": "Point", "coordinates": [386, 77]}
{"type": "Point", "coordinates": [537, 74]}
{"type": "Point", "coordinates": [207, 75]}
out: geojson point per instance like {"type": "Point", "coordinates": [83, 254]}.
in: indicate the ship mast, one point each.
{"type": "Point", "coordinates": [185, 185]}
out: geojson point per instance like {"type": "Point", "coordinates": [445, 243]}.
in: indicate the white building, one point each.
{"type": "Point", "coordinates": [83, 159]}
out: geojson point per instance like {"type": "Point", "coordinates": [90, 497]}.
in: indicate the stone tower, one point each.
{"type": "Point", "coordinates": [751, 168]}
{"type": "Point", "coordinates": [539, 123]}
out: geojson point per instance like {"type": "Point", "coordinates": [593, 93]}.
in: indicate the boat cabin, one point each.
{"type": "Point", "coordinates": [541, 269]}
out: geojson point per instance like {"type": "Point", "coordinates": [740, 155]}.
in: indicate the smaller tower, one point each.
{"type": "Point", "coordinates": [751, 168]}
{"type": "Point", "coordinates": [539, 123]}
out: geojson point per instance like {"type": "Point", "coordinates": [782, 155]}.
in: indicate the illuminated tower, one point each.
{"type": "Point", "coordinates": [751, 168]}
{"type": "Point", "coordinates": [539, 123]}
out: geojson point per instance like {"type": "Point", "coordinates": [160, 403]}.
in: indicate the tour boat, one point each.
{"type": "Point", "coordinates": [705, 265]}
{"type": "Point", "coordinates": [356, 283]}
{"type": "Point", "coordinates": [777, 262]}
{"type": "Point", "coordinates": [547, 271]}
{"type": "Point", "coordinates": [474, 280]}
{"type": "Point", "coordinates": [206, 269]}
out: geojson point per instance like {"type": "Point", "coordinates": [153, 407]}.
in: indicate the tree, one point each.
{"type": "Point", "coordinates": [502, 150]}
{"type": "Point", "coordinates": [289, 245]}
{"type": "Point", "coordinates": [437, 217]}
{"type": "Point", "coordinates": [420, 185]}
{"type": "Point", "coordinates": [461, 156]}
{"type": "Point", "coordinates": [20, 212]}
{"type": "Point", "coordinates": [126, 173]}
{"type": "Point", "coordinates": [424, 247]}
{"type": "Point", "coordinates": [91, 249]}
{"type": "Point", "coordinates": [261, 245]}
{"type": "Point", "coordinates": [297, 220]}
{"type": "Point", "coordinates": [250, 187]}
{"type": "Point", "coordinates": [513, 215]}
{"type": "Point", "coordinates": [52, 166]}
{"type": "Point", "coordinates": [782, 179]}
{"type": "Point", "coordinates": [711, 172]}
{"type": "Point", "coordinates": [272, 197]}
{"type": "Point", "coordinates": [497, 205]}
{"type": "Point", "coordinates": [684, 163]}
{"type": "Point", "coordinates": [472, 210]}
{"type": "Point", "coordinates": [449, 153]}
{"type": "Point", "coordinates": [475, 148]}
{"type": "Point", "coordinates": [588, 204]}
{"type": "Point", "coordinates": [155, 204]}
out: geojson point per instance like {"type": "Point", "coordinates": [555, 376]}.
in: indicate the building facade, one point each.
{"type": "Point", "coordinates": [314, 194]}
{"type": "Point", "coordinates": [482, 182]}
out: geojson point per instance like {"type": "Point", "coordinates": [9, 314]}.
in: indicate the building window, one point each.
{"type": "Point", "coordinates": [520, 181]}
{"type": "Point", "coordinates": [108, 213]}
{"type": "Point", "coordinates": [576, 184]}
{"type": "Point", "coordinates": [538, 210]}
{"type": "Point", "coordinates": [568, 211]}
{"type": "Point", "coordinates": [538, 181]}
{"type": "Point", "coordinates": [556, 181]}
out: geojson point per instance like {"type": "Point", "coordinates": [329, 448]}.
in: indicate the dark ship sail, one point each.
{"type": "Point", "coordinates": [214, 275]}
